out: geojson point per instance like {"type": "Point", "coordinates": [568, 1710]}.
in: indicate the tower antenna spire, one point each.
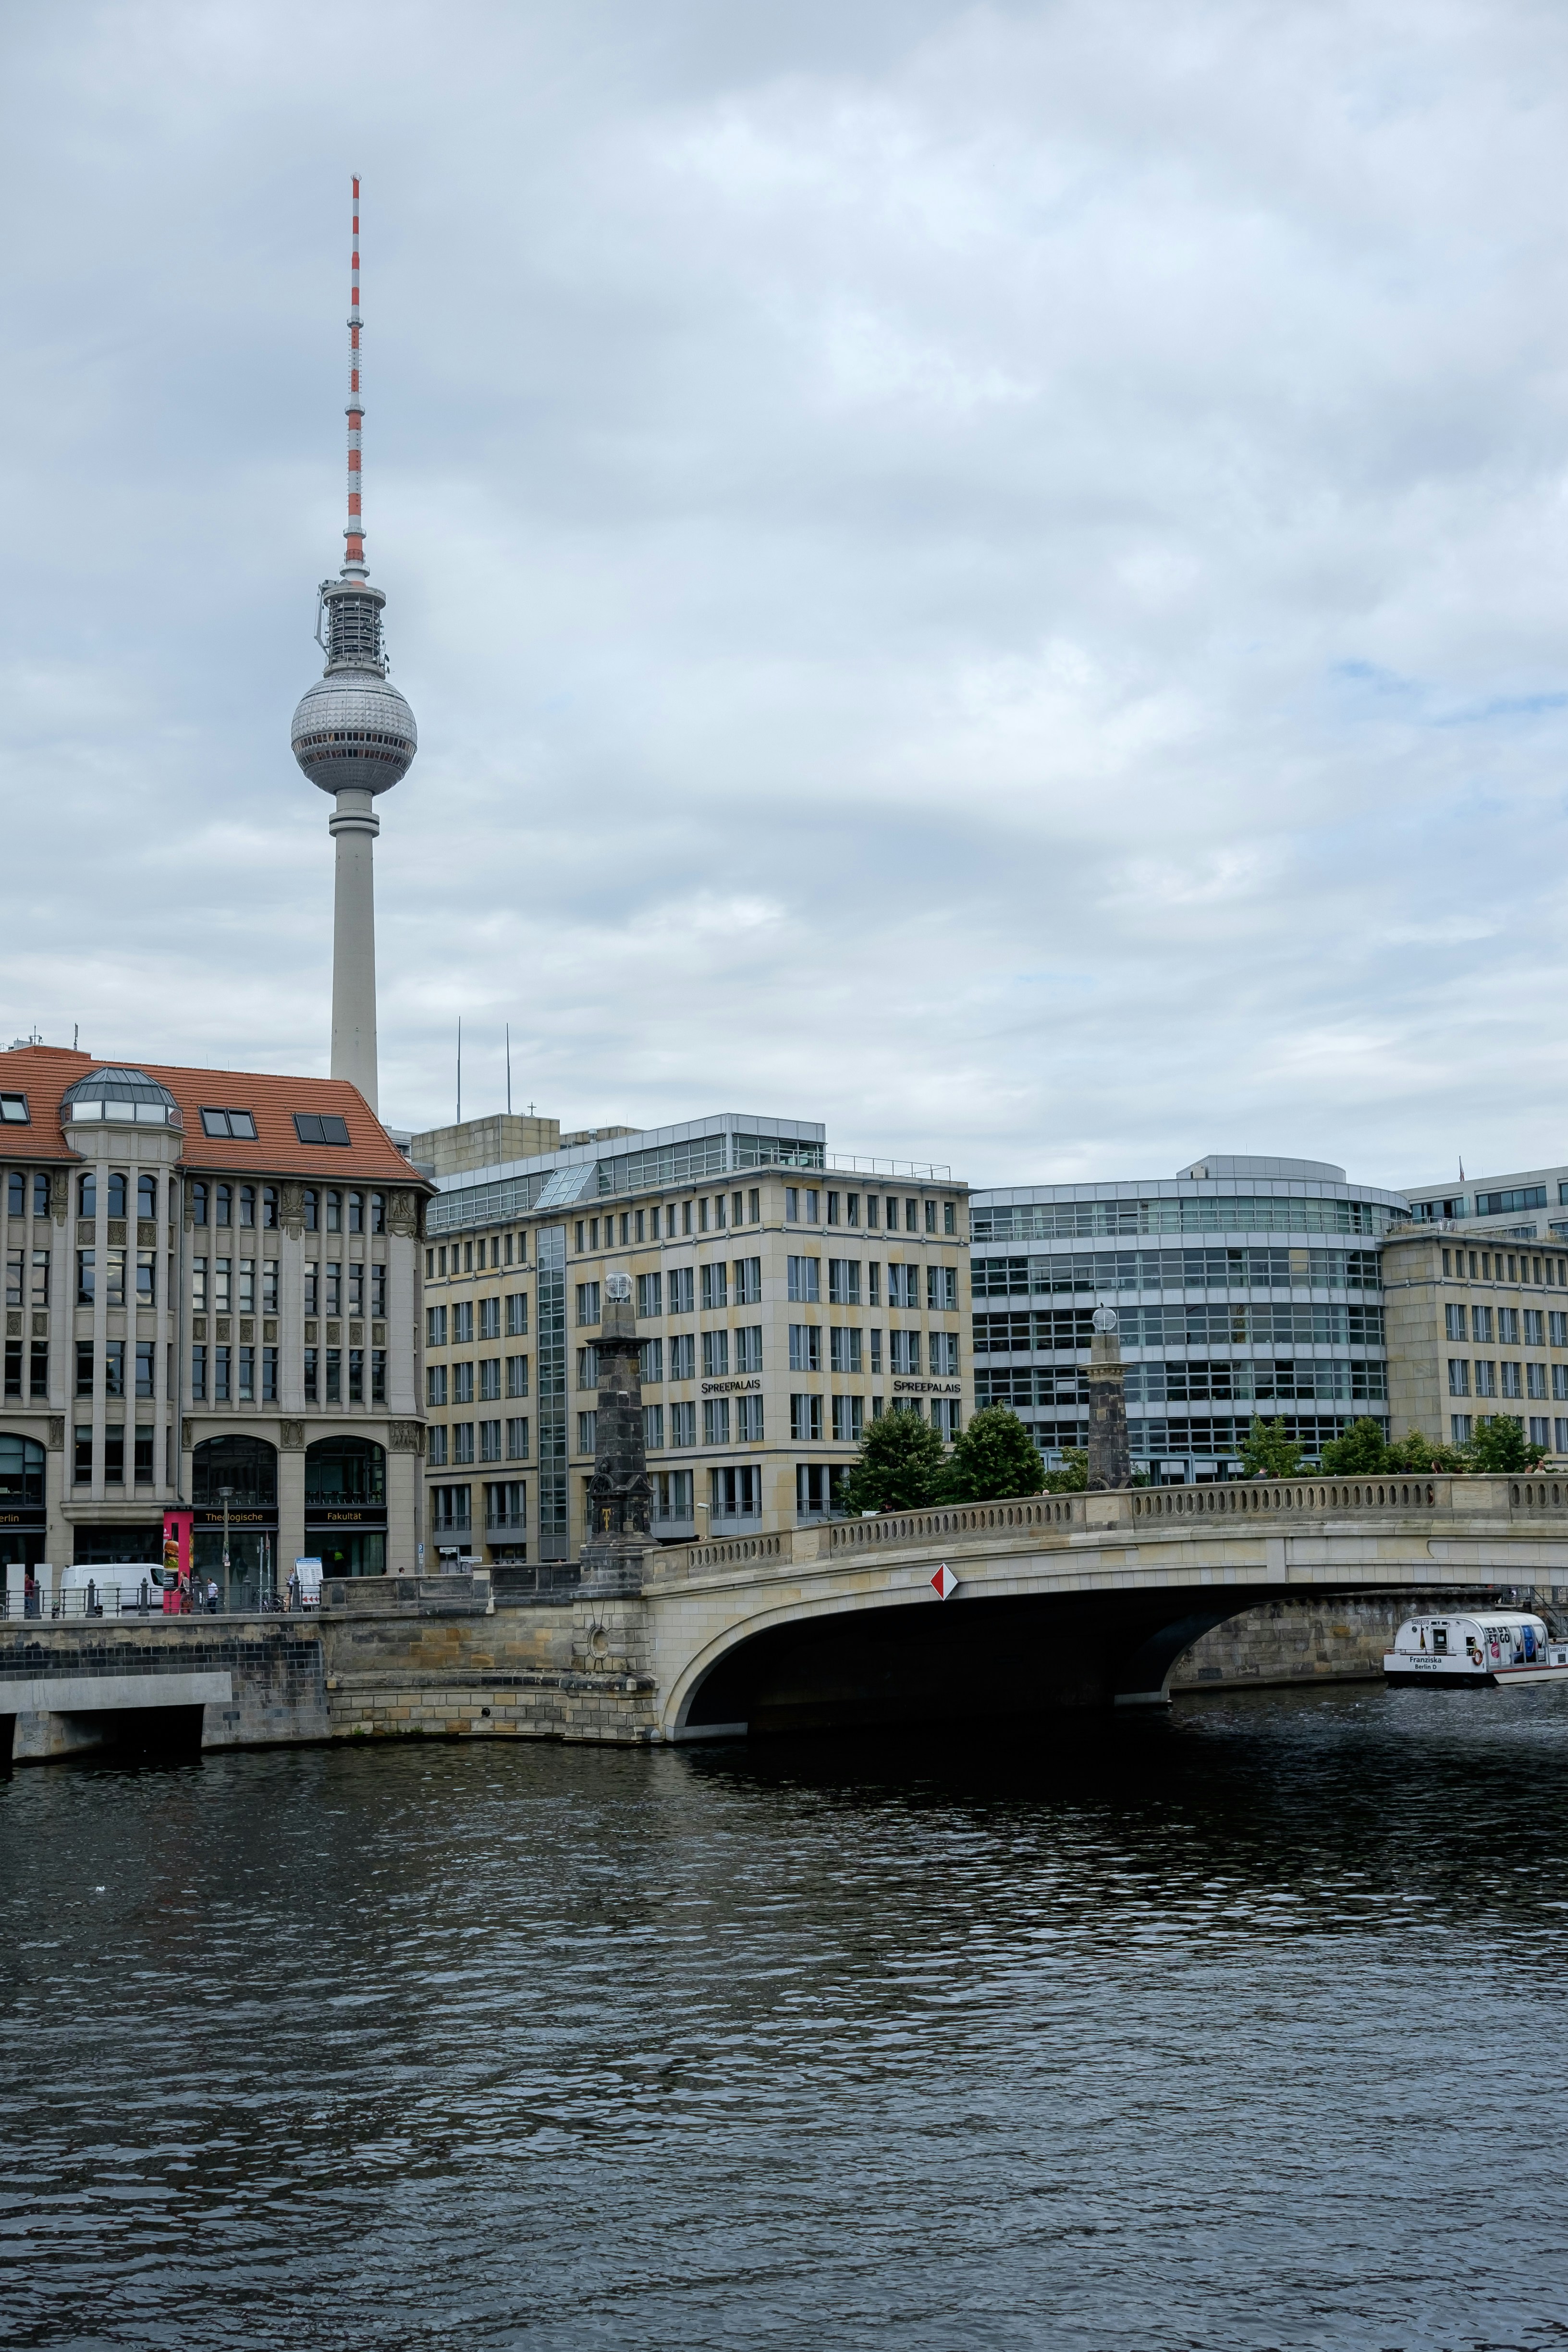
{"type": "Point", "coordinates": [353, 560]}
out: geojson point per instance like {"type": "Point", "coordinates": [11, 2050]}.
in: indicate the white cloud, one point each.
{"type": "Point", "coordinates": [990, 575]}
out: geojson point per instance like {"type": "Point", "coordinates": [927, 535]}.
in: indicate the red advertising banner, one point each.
{"type": "Point", "coordinates": [176, 1563]}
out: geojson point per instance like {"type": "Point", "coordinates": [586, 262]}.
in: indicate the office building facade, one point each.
{"type": "Point", "coordinates": [1242, 1285]}
{"type": "Point", "coordinates": [211, 1282]}
{"type": "Point", "coordinates": [1528, 1204]}
{"type": "Point", "coordinates": [1476, 1325]}
{"type": "Point", "coordinates": [784, 1301]}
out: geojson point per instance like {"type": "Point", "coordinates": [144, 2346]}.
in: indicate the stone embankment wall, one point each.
{"type": "Point", "coordinates": [1308, 1640]}
{"type": "Point", "coordinates": [549, 1670]}
{"type": "Point", "coordinates": [275, 1670]}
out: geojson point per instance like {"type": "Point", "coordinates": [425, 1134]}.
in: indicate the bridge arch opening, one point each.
{"type": "Point", "coordinates": [977, 1660]}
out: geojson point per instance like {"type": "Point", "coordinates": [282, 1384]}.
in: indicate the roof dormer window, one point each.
{"type": "Point", "coordinates": [321, 1127]}
{"type": "Point", "coordinates": [13, 1111]}
{"type": "Point", "coordinates": [235, 1125]}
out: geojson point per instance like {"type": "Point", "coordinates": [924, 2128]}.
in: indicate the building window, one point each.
{"type": "Point", "coordinates": [1453, 1323]}
{"type": "Point", "coordinates": [269, 1376]}
{"type": "Point", "coordinates": [490, 1380]}
{"type": "Point", "coordinates": [682, 1291]}
{"type": "Point", "coordinates": [715, 1355]}
{"type": "Point", "coordinates": [683, 1355]}
{"type": "Point", "coordinates": [735, 1493]}
{"type": "Point", "coordinates": [143, 1461]}
{"type": "Point", "coordinates": [434, 1326]}
{"type": "Point", "coordinates": [490, 1319]}
{"type": "Point", "coordinates": [903, 1287]}
{"type": "Point", "coordinates": [462, 1383]}
{"type": "Point", "coordinates": [81, 1467]}
{"type": "Point", "coordinates": [1511, 1381]}
{"type": "Point", "coordinates": [38, 1374]}
{"type": "Point", "coordinates": [804, 1279]}
{"type": "Point", "coordinates": [587, 1433]}
{"type": "Point", "coordinates": [818, 1488]}
{"type": "Point", "coordinates": [516, 1438]}
{"type": "Point", "coordinates": [683, 1425]}
{"type": "Point", "coordinates": [312, 1209]}
{"type": "Point", "coordinates": [221, 1357]}
{"type": "Point", "coordinates": [114, 1454]}
{"type": "Point", "coordinates": [356, 1375]}
{"type": "Point", "coordinates": [588, 1368]}
{"type": "Point", "coordinates": [1486, 1378]}
{"type": "Point", "coordinates": [312, 1126]}
{"type": "Point", "coordinates": [651, 1361]}
{"type": "Point", "coordinates": [1460, 1424]}
{"type": "Point", "coordinates": [517, 1315]}
{"type": "Point", "coordinates": [749, 1421]}
{"type": "Point", "coordinates": [588, 1309]}
{"type": "Point", "coordinates": [517, 1376]}
{"type": "Point", "coordinates": [463, 1324]}
{"type": "Point", "coordinates": [312, 1377]}
{"type": "Point", "coordinates": [716, 1420]}
{"type": "Point", "coordinates": [436, 1443]}
{"type": "Point", "coordinates": [945, 1417]}
{"type": "Point", "coordinates": [490, 1441]}
{"type": "Point", "coordinates": [941, 1289]}
{"type": "Point", "coordinates": [198, 1372]}
{"type": "Point", "coordinates": [450, 1509]}
{"type": "Point", "coordinates": [114, 1368]}
{"type": "Point", "coordinates": [653, 1428]}
{"type": "Point", "coordinates": [944, 1351]}
{"type": "Point", "coordinates": [1539, 1430]}
{"type": "Point", "coordinates": [14, 1370]}
{"type": "Point", "coordinates": [462, 1441]}
{"type": "Point", "coordinates": [1508, 1326]}
{"type": "Point", "coordinates": [749, 1347]}
{"type": "Point", "coordinates": [748, 1281]}
{"type": "Point", "coordinates": [904, 1352]}
{"type": "Point", "coordinates": [334, 1375]}
{"type": "Point", "coordinates": [715, 1289]}
{"type": "Point", "coordinates": [650, 1287]}
{"type": "Point", "coordinates": [1535, 1380]}
{"type": "Point", "coordinates": [805, 1347]}
{"type": "Point", "coordinates": [805, 1418]}
{"type": "Point", "coordinates": [844, 1282]}
{"type": "Point", "coordinates": [672, 1495]}
{"type": "Point", "coordinates": [144, 1351]}
{"type": "Point", "coordinates": [849, 1420]}
{"type": "Point", "coordinates": [843, 1350]}
{"type": "Point", "coordinates": [506, 1506]}
{"type": "Point", "coordinates": [1534, 1328]}
{"type": "Point", "coordinates": [14, 1109]}
{"type": "Point", "coordinates": [1481, 1321]}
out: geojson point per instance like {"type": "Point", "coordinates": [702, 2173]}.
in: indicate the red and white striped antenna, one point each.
{"type": "Point", "coordinates": [355, 566]}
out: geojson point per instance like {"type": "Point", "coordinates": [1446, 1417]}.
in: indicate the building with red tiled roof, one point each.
{"type": "Point", "coordinates": [212, 1283]}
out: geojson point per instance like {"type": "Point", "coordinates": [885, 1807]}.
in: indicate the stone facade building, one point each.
{"type": "Point", "coordinates": [782, 1303]}
{"type": "Point", "coordinates": [211, 1281]}
{"type": "Point", "coordinates": [1476, 1325]}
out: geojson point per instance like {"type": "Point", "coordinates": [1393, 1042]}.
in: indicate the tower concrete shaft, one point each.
{"type": "Point", "coordinates": [354, 825]}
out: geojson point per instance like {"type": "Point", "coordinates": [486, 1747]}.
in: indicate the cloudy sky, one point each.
{"type": "Point", "coordinates": [996, 576]}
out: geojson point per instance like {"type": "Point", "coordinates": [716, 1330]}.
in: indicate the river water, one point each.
{"type": "Point", "coordinates": [1244, 2028]}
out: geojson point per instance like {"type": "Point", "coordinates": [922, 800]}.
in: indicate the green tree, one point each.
{"type": "Point", "coordinates": [1361, 1450]}
{"type": "Point", "coordinates": [994, 1458]}
{"type": "Point", "coordinates": [1499, 1446]}
{"type": "Point", "coordinates": [1073, 1475]}
{"type": "Point", "coordinates": [1415, 1454]}
{"type": "Point", "coordinates": [1269, 1450]}
{"type": "Point", "coordinates": [900, 1468]}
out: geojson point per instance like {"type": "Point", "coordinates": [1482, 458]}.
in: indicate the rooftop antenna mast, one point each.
{"type": "Point", "coordinates": [508, 1069]}
{"type": "Point", "coordinates": [459, 1069]}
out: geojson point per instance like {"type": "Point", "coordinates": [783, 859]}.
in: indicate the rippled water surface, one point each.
{"type": "Point", "coordinates": [1243, 2029]}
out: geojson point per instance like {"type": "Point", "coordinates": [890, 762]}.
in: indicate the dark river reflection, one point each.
{"type": "Point", "coordinates": [1244, 2028]}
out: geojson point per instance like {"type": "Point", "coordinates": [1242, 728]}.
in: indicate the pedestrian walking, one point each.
{"type": "Point", "coordinates": [212, 1596]}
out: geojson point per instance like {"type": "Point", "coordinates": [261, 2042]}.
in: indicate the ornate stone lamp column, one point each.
{"type": "Point", "coordinates": [619, 1496]}
{"type": "Point", "coordinates": [1110, 1460]}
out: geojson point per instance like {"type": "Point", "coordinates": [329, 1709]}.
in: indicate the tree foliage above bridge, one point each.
{"type": "Point", "coordinates": [901, 1465]}
{"type": "Point", "coordinates": [994, 1459]}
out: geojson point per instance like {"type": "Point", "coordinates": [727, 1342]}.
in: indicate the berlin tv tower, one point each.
{"type": "Point", "coordinates": [354, 736]}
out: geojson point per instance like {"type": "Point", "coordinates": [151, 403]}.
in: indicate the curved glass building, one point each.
{"type": "Point", "coordinates": [1242, 1285]}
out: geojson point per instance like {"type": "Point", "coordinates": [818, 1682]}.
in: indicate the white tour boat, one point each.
{"type": "Point", "coordinates": [1504, 1645]}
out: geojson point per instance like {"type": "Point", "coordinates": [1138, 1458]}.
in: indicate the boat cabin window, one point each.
{"type": "Point", "coordinates": [1440, 1639]}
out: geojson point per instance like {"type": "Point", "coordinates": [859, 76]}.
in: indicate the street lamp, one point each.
{"type": "Point", "coordinates": [226, 1495]}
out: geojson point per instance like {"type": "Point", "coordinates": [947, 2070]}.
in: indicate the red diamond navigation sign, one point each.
{"type": "Point", "coordinates": [944, 1585]}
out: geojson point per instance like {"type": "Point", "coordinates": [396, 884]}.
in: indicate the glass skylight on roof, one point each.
{"type": "Point", "coordinates": [14, 1109]}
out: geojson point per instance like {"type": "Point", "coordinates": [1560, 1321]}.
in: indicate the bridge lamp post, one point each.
{"type": "Point", "coordinates": [225, 1494]}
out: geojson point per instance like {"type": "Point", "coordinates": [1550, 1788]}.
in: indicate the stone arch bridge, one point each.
{"type": "Point", "coordinates": [1078, 1600]}
{"type": "Point", "coordinates": [1057, 1601]}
